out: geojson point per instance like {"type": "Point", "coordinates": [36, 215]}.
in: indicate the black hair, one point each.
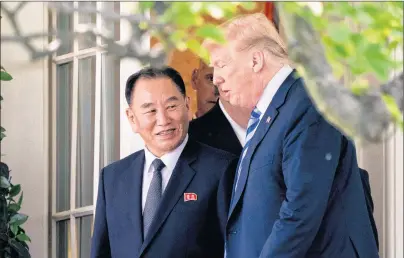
{"type": "Point", "coordinates": [152, 73]}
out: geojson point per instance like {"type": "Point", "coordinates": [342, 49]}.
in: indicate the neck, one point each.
{"type": "Point", "coordinates": [238, 114]}
{"type": "Point", "coordinates": [199, 105]}
{"type": "Point", "coordinates": [263, 80]}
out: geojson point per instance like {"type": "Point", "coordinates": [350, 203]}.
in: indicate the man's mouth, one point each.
{"type": "Point", "coordinates": [166, 132]}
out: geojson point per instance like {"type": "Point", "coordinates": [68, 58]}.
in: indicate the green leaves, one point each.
{"type": "Point", "coordinates": [144, 6]}
{"type": "Point", "coordinates": [15, 190]}
{"type": "Point", "coordinates": [359, 37]}
{"type": "Point", "coordinates": [12, 236]}
{"type": "Point", "coordinates": [338, 33]}
{"type": "Point", "coordinates": [4, 76]}
{"type": "Point", "coordinates": [210, 31]}
{"type": "Point", "coordinates": [20, 199]}
{"type": "Point", "coordinates": [197, 48]}
{"type": "Point", "coordinates": [359, 87]}
{"type": "Point", "coordinates": [18, 219]}
{"type": "Point", "coordinates": [4, 183]}
{"type": "Point", "coordinates": [23, 238]}
{"type": "Point", "coordinates": [378, 62]}
{"type": "Point", "coordinates": [188, 28]}
{"type": "Point", "coordinates": [14, 207]}
{"type": "Point", "coordinates": [394, 109]}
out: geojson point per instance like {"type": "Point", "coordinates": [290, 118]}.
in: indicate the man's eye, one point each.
{"type": "Point", "coordinates": [152, 111]}
{"type": "Point", "coordinates": [172, 107]}
{"type": "Point", "coordinates": [210, 78]}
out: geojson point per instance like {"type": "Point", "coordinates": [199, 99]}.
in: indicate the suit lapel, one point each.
{"type": "Point", "coordinates": [262, 129]}
{"type": "Point", "coordinates": [129, 190]}
{"type": "Point", "coordinates": [179, 181]}
{"type": "Point", "coordinates": [265, 123]}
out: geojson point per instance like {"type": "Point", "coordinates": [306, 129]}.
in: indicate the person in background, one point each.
{"type": "Point", "coordinates": [206, 93]}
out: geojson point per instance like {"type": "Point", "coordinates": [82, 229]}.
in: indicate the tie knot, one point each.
{"type": "Point", "coordinates": [158, 165]}
{"type": "Point", "coordinates": [255, 113]}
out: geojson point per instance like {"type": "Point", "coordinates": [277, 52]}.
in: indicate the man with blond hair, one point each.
{"type": "Point", "coordinates": [297, 190]}
{"type": "Point", "coordinates": [221, 125]}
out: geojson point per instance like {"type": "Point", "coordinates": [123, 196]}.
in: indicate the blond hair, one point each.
{"type": "Point", "coordinates": [253, 31]}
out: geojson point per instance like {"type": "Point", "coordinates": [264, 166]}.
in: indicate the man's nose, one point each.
{"type": "Point", "coordinates": [217, 80]}
{"type": "Point", "coordinates": [162, 118]}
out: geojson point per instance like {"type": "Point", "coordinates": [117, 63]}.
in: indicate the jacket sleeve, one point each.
{"type": "Point", "coordinates": [310, 158]}
{"type": "Point", "coordinates": [100, 247]}
{"type": "Point", "coordinates": [225, 191]}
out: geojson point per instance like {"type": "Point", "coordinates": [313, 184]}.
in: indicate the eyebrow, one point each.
{"type": "Point", "coordinates": [173, 98]}
{"type": "Point", "coordinates": [146, 105]}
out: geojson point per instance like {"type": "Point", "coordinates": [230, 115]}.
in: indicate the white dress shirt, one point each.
{"type": "Point", "coordinates": [271, 88]}
{"type": "Point", "coordinates": [240, 131]}
{"type": "Point", "coordinates": [169, 159]}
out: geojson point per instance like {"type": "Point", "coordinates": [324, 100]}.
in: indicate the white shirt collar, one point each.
{"type": "Point", "coordinates": [239, 131]}
{"type": "Point", "coordinates": [272, 87]}
{"type": "Point", "coordinates": [169, 159]}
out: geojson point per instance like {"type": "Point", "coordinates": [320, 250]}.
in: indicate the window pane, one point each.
{"type": "Point", "coordinates": [109, 142]}
{"type": "Point", "coordinates": [112, 27]}
{"type": "Point", "coordinates": [84, 229]}
{"type": "Point", "coordinates": [89, 41]}
{"type": "Point", "coordinates": [85, 133]}
{"type": "Point", "coordinates": [63, 135]}
{"type": "Point", "coordinates": [65, 23]}
{"type": "Point", "coordinates": [63, 245]}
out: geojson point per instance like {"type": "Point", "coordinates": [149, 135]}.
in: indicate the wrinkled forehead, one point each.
{"type": "Point", "coordinates": [219, 53]}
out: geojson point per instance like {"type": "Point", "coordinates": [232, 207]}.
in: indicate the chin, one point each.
{"type": "Point", "coordinates": [170, 145]}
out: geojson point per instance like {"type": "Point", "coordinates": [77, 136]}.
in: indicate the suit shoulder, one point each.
{"type": "Point", "coordinates": [301, 112]}
{"type": "Point", "coordinates": [215, 154]}
{"type": "Point", "coordinates": [122, 163]}
{"type": "Point", "coordinates": [203, 121]}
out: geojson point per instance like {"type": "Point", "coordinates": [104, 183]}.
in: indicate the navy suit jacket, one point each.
{"type": "Point", "coordinates": [180, 229]}
{"type": "Point", "coordinates": [300, 192]}
{"type": "Point", "coordinates": [214, 129]}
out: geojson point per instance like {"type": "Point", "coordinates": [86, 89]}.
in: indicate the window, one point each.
{"type": "Point", "coordinates": [85, 134]}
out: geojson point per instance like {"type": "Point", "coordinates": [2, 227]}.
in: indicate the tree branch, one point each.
{"type": "Point", "coordinates": [365, 116]}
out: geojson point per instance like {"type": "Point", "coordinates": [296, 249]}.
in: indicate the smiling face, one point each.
{"type": "Point", "coordinates": [159, 113]}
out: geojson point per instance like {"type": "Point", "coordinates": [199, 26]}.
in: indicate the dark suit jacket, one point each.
{"type": "Point", "coordinates": [300, 192]}
{"type": "Point", "coordinates": [214, 129]}
{"type": "Point", "coordinates": [180, 229]}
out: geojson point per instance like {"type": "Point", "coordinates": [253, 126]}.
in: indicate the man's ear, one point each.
{"type": "Point", "coordinates": [187, 101]}
{"type": "Point", "coordinates": [194, 77]}
{"type": "Point", "coordinates": [132, 120]}
{"type": "Point", "coordinates": [257, 61]}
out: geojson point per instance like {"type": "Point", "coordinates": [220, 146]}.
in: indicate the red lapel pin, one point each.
{"type": "Point", "coordinates": [190, 197]}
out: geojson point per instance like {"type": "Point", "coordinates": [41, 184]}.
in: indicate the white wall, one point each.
{"type": "Point", "coordinates": [384, 162]}
{"type": "Point", "coordinates": [24, 115]}
{"type": "Point", "coordinates": [129, 141]}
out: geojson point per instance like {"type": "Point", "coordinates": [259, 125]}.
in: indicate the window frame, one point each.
{"type": "Point", "coordinates": [73, 57]}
